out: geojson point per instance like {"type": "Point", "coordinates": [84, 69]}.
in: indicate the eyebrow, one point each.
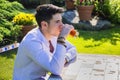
{"type": "Point", "coordinates": [58, 20]}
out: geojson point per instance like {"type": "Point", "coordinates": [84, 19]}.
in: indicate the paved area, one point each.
{"type": "Point", "coordinates": [93, 67]}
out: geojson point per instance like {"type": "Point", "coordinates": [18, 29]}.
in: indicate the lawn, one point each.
{"type": "Point", "coordinates": [6, 64]}
{"type": "Point", "coordinates": [98, 42]}
{"type": "Point", "coordinates": [88, 42]}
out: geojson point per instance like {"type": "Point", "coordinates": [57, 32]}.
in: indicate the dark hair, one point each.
{"type": "Point", "coordinates": [45, 12]}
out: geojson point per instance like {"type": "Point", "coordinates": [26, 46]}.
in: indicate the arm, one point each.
{"type": "Point", "coordinates": [70, 49]}
{"type": "Point", "coordinates": [41, 56]}
{"type": "Point", "coordinates": [71, 53]}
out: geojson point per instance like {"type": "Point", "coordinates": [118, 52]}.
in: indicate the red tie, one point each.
{"type": "Point", "coordinates": [51, 47]}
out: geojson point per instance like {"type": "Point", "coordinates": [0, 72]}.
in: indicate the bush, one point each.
{"type": "Point", "coordinates": [11, 7]}
{"type": "Point", "coordinates": [4, 31]}
{"type": "Point", "coordinates": [17, 6]}
{"type": "Point", "coordinates": [109, 9]}
{"type": "Point", "coordinates": [114, 9]}
{"type": "Point", "coordinates": [8, 31]}
{"type": "Point", "coordinates": [1, 37]}
{"type": "Point", "coordinates": [6, 15]}
{"type": "Point", "coordinates": [6, 24]}
{"type": "Point", "coordinates": [9, 10]}
{"type": "Point", "coordinates": [2, 1]}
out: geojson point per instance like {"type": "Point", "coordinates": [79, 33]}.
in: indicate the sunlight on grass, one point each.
{"type": "Point", "coordinates": [102, 42]}
{"type": "Point", "coordinates": [6, 67]}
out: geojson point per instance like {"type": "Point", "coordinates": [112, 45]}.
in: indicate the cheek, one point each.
{"type": "Point", "coordinates": [56, 29]}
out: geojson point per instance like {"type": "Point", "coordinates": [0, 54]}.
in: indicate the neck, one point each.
{"type": "Point", "coordinates": [46, 35]}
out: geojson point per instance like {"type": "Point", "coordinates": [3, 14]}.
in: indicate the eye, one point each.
{"type": "Point", "coordinates": [57, 21]}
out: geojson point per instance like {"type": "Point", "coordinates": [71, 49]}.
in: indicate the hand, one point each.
{"type": "Point", "coordinates": [66, 30]}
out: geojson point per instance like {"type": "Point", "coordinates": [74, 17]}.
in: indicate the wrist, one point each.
{"type": "Point", "coordinates": [61, 40]}
{"type": "Point", "coordinates": [67, 59]}
{"type": "Point", "coordinates": [60, 37]}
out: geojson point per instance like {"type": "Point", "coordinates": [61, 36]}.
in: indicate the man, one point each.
{"type": "Point", "coordinates": [44, 49]}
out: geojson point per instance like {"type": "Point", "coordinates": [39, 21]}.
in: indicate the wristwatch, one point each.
{"type": "Point", "coordinates": [67, 58]}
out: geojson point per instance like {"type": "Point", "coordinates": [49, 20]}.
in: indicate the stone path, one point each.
{"type": "Point", "coordinates": [93, 67]}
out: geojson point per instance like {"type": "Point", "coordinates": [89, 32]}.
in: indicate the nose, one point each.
{"type": "Point", "coordinates": [61, 25]}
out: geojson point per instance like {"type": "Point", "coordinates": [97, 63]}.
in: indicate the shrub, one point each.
{"type": "Point", "coordinates": [6, 15]}
{"type": "Point", "coordinates": [17, 6]}
{"type": "Point", "coordinates": [1, 37]}
{"type": "Point", "coordinates": [8, 31]}
{"type": "Point", "coordinates": [6, 24]}
{"type": "Point", "coordinates": [9, 10]}
{"type": "Point", "coordinates": [10, 6]}
{"type": "Point", "coordinates": [4, 31]}
{"type": "Point", "coordinates": [109, 9]}
{"type": "Point", "coordinates": [114, 9]}
{"type": "Point", "coordinates": [2, 1]}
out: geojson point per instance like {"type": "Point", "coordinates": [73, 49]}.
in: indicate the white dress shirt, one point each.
{"type": "Point", "coordinates": [34, 59]}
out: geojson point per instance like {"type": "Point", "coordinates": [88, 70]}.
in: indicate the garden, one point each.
{"type": "Point", "coordinates": [14, 15]}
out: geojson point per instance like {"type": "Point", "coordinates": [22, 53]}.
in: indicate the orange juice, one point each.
{"type": "Point", "coordinates": [73, 33]}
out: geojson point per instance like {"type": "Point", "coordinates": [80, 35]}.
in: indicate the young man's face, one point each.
{"type": "Point", "coordinates": [55, 25]}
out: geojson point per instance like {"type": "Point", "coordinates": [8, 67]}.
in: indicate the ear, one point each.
{"type": "Point", "coordinates": [44, 24]}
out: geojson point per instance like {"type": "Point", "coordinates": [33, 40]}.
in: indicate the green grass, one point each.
{"type": "Point", "coordinates": [6, 64]}
{"type": "Point", "coordinates": [98, 42]}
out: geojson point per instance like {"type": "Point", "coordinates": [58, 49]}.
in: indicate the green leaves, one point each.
{"type": "Point", "coordinates": [4, 31]}
{"type": "Point", "coordinates": [114, 7]}
{"type": "Point", "coordinates": [109, 9]}
{"type": "Point", "coordinates": [8, 31]}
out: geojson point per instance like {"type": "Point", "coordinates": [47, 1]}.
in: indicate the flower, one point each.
{"type": "Point", "coordinates": [24, 19]}
{"type": "Point", "coordinates": [84, 2]}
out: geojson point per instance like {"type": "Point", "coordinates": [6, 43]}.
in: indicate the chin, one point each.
{"type": "Point", "coordinates": [56, 35]}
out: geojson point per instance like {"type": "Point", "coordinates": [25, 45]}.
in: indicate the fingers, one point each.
{"type": "Point", "coordinates": [66, 30]}
{"type": "Point", "coordinates": [69, 27]}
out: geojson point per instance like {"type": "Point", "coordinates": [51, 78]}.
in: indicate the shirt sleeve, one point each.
{"type": "Point", "coordinates": [42, 57]}
{"type": "Point", "coordinates": [71, 52]}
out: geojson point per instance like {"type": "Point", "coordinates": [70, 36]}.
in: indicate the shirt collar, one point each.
{"type": "Point", "coordinates": [42, 37]}
{"type": "Point", "coordinates": [44, 40]}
